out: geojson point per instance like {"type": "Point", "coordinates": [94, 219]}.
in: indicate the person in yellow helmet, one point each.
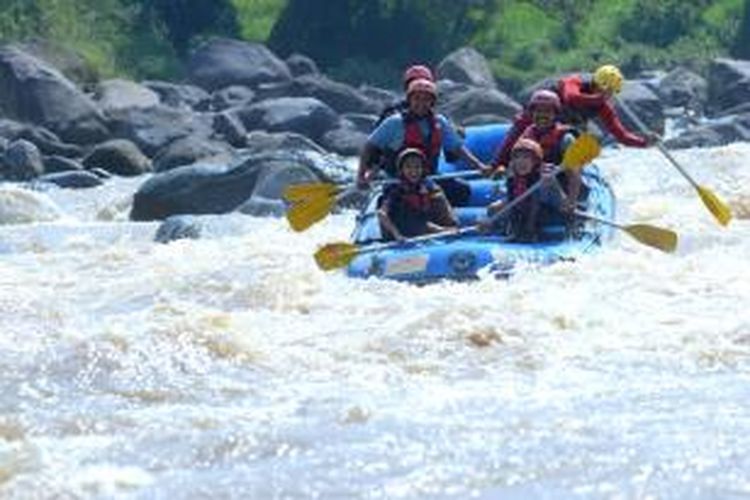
{"type": "Point", "coordinates": [582, 99]}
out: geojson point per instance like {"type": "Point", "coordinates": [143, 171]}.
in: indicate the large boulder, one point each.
{"type": "Point", "coordinates": [644, 103]}
{"type": "Point", "coordinates": [381, 97]}
{"type": "Point", "coordinates": [339, 96]}
{"type": "Point", "coordinates": [231, 97]}
{"type": "Point", "coordinates": [70, 63]}
{"type": "Point", "coordinates": [213, 189]}
{"type": "Point", "coordinates": [56, 164]}
{"type": "Point", "coordinates": [22, 161]}
{"type": "Point", "coordinates": [112, 95]}
{"type": "Point", "coordinates": [118, 156]}
{"type": "Point", "coordinates": [728, 84]}
{"type": "Point", "coordinates": [189, 150]}
{"type": "Point", "coordinates": [45, 140]}
{"type": "Point", "coordinates": [477, 101]}
{"type": "Point", "coordinates": [716, 133]}
{"type": "Point", "coordinates": [304, 115]}
{"type": "Point", "coordinates": [180, 96]}
{"type": "Point", "coordinates": [259, 141]}
{"type": "Point", "coordinates": [467, 65]}
{"type": "Point", "coordinates": [222, 62]}
{"type": "Point", "coordinates": [152, 129]}
{"type": "Point", "coordinates": [32, 91]}
{"type": "Point", "coordinates": [229, 127]}
{"type": "Point", "coordinates": [345, 140]}
{"type": "Point", "coordinates": [681, 87]}
{"type": "Point", "coordinates": [301, 65]}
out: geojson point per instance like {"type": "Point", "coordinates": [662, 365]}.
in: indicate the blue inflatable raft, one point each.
{"type": "Point", "coordinates": [466, 256]}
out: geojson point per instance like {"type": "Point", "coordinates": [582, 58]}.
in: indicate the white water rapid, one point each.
{"type": "Point", "coordinates": [231, 367]}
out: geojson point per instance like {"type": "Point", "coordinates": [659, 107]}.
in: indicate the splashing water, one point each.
{"type": "Point", "coordinates": [231, 367]}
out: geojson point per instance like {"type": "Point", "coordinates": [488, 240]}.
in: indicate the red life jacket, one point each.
{"type": "Point", "coordinates": [549, 139]}
{"type": "Point", "coordinates": [413, 138]}
{"type": "Point", "coordinates": [416, 198]}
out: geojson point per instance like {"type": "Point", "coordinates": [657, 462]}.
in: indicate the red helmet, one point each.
{"type": "Point", "coordinates": [421, 85]}
{"type": "Point", "coordinates": [545, 98]}
{"type": "Point", "coordinates": [418, 71]}
{"type": "Point", "coordinates": [530, 145]}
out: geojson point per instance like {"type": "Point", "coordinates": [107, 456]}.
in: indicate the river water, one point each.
{"type": "Point", "coordinates": [231, 367]}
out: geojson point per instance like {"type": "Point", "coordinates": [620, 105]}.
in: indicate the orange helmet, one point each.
{"type": "Point", "coordinates": [417, 72]}
{"type": "Point", "coordinates": [421, 85]}
{"type": "Point", "coordinates": [530, 145]}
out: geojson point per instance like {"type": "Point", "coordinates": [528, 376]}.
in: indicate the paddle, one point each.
{"type": "Point", "coordinates": [718, 208]}
{"type": "Point", "coordinates": [336, 255]}
{"type": "Point", "coordinates": [663, 239]}
{"type": "Point", "coordinates": [657, 237]}
{"type": "Point", "coordinates": [314, 201]}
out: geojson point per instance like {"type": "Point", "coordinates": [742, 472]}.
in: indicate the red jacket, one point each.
{"type": "Point", "coordinates": [577, 96]}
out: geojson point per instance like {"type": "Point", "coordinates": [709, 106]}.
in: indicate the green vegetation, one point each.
{"type": "Point", "coordinates": [373, 39]}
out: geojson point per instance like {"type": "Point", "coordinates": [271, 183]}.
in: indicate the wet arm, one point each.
{"type": "Point", "coordinates": [387, 224]}
{"type": "Point", "coordinates": [365, 171]}
{"type": "Point", "coordinates": [612, 123]}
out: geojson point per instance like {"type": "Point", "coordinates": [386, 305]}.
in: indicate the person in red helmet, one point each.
{"type": "Point", "coordinates": [417, 127]}
{"type": "Point", "coordinates": [554, 138]}
{"type": "Point", "coordinates": [415, 205]}
{"type": "Point", "coordinates": [582, 99]}
{"type": "Point", "coordinates": [414, 72]}
{"type": "Point", "coordinates": [525, 169]}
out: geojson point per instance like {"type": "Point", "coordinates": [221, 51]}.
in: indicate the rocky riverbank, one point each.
{"type": "Point", "coordinates": [245, 122]}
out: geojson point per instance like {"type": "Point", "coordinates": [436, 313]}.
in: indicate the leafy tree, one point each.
{"type": "Point", "coordinates": [661, 23]}
{"type": "Point", "coordinates": [182, 20]}
{"type": "Point", "coordinates": [335, 32]}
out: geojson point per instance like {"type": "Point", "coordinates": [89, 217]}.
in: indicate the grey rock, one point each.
{"type": "Point", "coordinates": [22, 161]}
{"type": "Point", "coordinates": [231, 97]}
{"type": "Point", "coordinates": [304, 115]}
{"type": "Point", "coordinates": [118, 156]}
{"type": "Point", "coordinates": [178, 227]}
{"type": "Point", "coordinates": [301, 65]}
{"type": "Point", "coordinates": [112, 95]}
{"type": "Point", "coordinates": [71, 180]}
{"type": "Point", "coordinates": [189, 150]}
{"type": "Point", "coordinates": [55, 164]}
{"type": "Point", "coordinates": [152, 129]}
{"type": "Point", "coordinates": [222, 62]}
{"type": "Point", "coordinates": [466, 65]}
{"type": "Point", "coordinates": [32, 91]}
{"type": "Point", "coordinates": [180, 96]}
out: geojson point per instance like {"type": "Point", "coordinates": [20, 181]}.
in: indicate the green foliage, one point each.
{"type": "Point", "coordinates": [741, 43]}
{"type": "Point", "coordinates": [257, 17]}
{"type": "Point", "coordinates": [388, 33]}
{"type": "Point", "coordinates": [372, 40]}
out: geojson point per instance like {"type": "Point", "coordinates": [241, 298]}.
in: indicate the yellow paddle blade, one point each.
{"type": "Point", "coordinates": [335, 255]}
{"type": "Point", "coordinates": [304, 214]}
{"type": "Point", "coordinates": [718, 208]}
{"type": "Point", "coordinates": [581, 152]}
{"type": "Point", "coordinates": [663, 239]}
{"type": "Point", "coordinates": [300, 192]}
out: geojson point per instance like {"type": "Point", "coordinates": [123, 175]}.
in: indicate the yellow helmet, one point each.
{"type": "Point", "coordinates": [608, 78]}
